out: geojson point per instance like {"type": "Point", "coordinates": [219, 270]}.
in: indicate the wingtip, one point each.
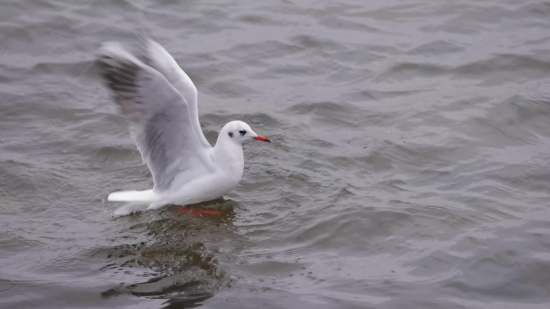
{"type": "Point", "coordinates": [110, 47]}
{"type": "Point", "coordinates": [115, 50]}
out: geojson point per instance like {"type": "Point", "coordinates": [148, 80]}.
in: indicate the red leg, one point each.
{"type": "Point", "coordinates": [192, 211]}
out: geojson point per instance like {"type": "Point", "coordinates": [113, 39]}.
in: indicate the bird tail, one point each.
{"type": "Point", "coordinates": [146, 196]}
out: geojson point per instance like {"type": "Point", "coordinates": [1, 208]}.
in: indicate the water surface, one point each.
{"type": "Point", "coordinates": [408, 169]}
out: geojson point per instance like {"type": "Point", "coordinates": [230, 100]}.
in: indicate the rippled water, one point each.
{"type": "Point", "coordinates": [409, 167]}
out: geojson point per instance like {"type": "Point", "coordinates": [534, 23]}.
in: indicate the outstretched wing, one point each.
{"type": "Point", "coordinates": [158, 116]}
{"type": "Point", "coordinates": [159, 59]}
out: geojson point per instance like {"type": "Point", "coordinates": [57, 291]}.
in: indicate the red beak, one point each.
{"type": "Point", "coordinates": [262, 138]}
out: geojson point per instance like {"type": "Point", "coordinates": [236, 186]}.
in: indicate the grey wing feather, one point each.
{"type": "Point", "coordinates": [154, 55]}
{"type": "Point", "coordinates": [158, 115]}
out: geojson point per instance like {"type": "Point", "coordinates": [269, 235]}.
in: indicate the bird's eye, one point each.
{"type": "Point", "coordinates": [230, 134]}
{"type": "Point", "coordinates": [243, 132]}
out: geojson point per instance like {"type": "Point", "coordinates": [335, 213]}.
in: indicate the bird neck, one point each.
{"type": "Point", "coordinates": [229, 156]}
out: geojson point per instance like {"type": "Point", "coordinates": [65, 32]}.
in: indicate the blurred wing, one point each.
{"type": "Point", "coordinates": [159, 59]}
{"type": "Point", "coordinates": [158, 114]}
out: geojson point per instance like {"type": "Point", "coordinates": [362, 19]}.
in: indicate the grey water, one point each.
{"type": "Point", "coordinates": [409, 166]}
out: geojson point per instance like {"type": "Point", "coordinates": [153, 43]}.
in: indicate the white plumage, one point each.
{"type": "Point", "coordinates": [160, 102]}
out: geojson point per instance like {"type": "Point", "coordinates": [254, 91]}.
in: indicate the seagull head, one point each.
{"type": "Point", "coordinates": [239, 132]}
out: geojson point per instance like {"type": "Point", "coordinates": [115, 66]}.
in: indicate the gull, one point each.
{"type": "Point", "coordinates": [159, 101]}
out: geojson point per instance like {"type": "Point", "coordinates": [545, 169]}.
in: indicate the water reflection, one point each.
{"type": "Point", "coordinates": [181, 258]}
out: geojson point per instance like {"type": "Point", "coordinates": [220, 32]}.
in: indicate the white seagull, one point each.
{"type": "Point", "coordinates": [159, 101]}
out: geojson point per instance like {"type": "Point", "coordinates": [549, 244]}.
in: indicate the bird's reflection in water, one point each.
{"type": "Point", "coordinates": [182, 255]}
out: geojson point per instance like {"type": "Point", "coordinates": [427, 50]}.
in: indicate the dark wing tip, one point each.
{"type": "Point", "coordinates": [121, 74]}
